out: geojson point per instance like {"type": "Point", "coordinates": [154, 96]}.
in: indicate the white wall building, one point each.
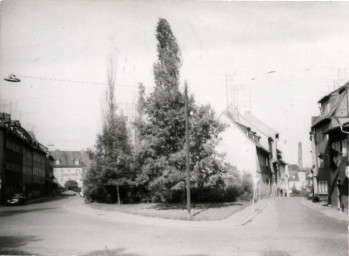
{"type": "Point", "coordinates": [251, 146]}
{"type": "Point", "coordinates": [70, 165]}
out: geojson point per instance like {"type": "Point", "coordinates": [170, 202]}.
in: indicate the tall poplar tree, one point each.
{"type": "Point", "coordinates": [164, 132]}
{"type": "Point", "coordinates": [161, 157]}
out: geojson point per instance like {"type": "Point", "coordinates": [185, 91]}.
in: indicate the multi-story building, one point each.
{"type": "Point", "coordinates": [24, 162]}
{"type": "Point", "coordinates": [251, 146]}
{"type": "Point", "coordinates": [282, 178]}
{"type": "Point", "coordinates": [70, 165]}
{"type": "Point", "coordinates": [329, 136]}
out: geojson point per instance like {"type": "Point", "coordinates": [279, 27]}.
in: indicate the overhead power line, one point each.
{"type": "Point", "coordinates": [70, 81]}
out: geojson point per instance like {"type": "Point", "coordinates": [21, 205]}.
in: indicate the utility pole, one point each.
{"type": "Point", "coordinates": [187, 149]}
{"type": "Point", "coordinates": [315, 163]}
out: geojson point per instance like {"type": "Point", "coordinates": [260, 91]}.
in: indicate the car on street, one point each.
{"type": "Point", "coordinates": [69, 193]}
{"type": "Point", "coordinates": [17, 199]}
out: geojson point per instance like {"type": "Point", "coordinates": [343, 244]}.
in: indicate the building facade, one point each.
{"type": "Point", "coordinates": [70, 165]}
{"type": "Point", "coordinates": [24, 162]}
{"type": "Point", "coordinates": [329, 137]}
{"type": "Point", "coordinates": [251, 146]}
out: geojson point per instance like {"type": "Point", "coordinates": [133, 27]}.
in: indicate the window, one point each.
{"type": "Point", "coordinates": [323, 187]}
{"type": "Point", "coordinates": [340, 147]}
{"type": "Point", "coordinates": [325, 108]}
{"type": "Point", "coordinates": [320, 162]}
{"type": "Point", "coordinates": [344, 147]}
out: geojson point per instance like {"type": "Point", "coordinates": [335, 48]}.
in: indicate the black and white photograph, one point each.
{"type": "Point", "coordinates": [174, 128]}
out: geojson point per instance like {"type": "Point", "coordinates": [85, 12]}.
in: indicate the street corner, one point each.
{"type": "Point", "coordinates": [253, 210]}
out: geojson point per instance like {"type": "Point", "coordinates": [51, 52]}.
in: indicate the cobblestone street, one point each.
{"type": "Point", "coordinates": [284, 227]}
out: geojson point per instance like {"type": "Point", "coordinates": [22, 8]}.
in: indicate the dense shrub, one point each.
{"type": "Point", "coordinates": [97, 194]}
{"type": "Point", "coordinates": [316, 199]}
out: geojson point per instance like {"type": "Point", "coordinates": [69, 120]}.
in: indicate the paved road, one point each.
{"type": "Point", "coordinates": [284, 228]}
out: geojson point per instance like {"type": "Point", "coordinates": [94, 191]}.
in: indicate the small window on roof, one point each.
{"type": "Point", "coordinates": [58, 162]}
{"type": "Point", "coordinates": [76, 162]}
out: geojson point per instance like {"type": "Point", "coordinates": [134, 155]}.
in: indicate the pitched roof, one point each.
{"type": "Point", "coordinates": [336, 122]}
{"type": "Point", "coordinates": [244, 129]}
{"type": "Point", "coordinates": [14, 126]}
{"type": "Point", "coordinates": [259, 125]}
{"type": "Point", "coordinates": [330, 114]}
{"type": "Point", "coordinates": [346, 85]}
{"type": "Point", "coordinates": [67, 158]}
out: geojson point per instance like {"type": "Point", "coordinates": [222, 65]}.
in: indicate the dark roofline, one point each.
{"type": "Point", "coordinates": [334, 91]}
{"type": "Point", "coordinates": [329, 115]}
{"type": "Point", "coordinates": [283, 162]}
{"type": "Point", "coordinates": [262, 148]}
{"type": "Point", "coordinates": [319, 121]}
{"type": "Point", "coordinates": [22, 134]}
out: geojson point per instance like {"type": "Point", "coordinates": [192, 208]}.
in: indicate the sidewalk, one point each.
{"type": "Point", "coordinates": [239, 218]}
{"type": "Point", "coordinates": [327, 210]}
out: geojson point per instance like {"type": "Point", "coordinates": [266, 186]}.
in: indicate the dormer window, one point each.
{"type": "Point", "coordinates": [325, 108]}
{"type": "Point", "coordinates": [58, 162]}
{"type": "Point", "coordinates": [76, 162]}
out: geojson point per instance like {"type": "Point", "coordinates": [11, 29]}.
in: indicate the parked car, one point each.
{"type": "Point", "coordinates": [69, 193]}
{"type": "Point", "coordinates": [17, 199]}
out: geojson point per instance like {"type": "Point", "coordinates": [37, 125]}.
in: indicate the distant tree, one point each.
{"type": "Point", "coordinates": [112, 154]}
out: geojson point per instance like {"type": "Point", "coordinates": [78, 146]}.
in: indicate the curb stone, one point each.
{"type": "Point", "coordinates": [146, 220]}
{"type": "Point", "coordinates": [251, 217]}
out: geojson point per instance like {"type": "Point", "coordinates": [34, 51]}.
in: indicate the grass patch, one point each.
{"type": "Point", "coordinates": [200, 211]}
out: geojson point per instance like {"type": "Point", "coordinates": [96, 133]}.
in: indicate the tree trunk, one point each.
{"type": "Point", "coordinates": [184, 198]}
{"type": "Point", "coordinates": [118, 194]}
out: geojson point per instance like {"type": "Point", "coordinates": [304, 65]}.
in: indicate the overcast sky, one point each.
{"type": "Point", "coordinates": [306, 44]}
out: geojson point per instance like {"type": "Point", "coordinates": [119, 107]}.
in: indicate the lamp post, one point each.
{"type": "Point", "coordinates": [187, 149]}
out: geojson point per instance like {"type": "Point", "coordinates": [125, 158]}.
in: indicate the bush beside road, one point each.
{"type": "Point", "coordinates": [200, 212]}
